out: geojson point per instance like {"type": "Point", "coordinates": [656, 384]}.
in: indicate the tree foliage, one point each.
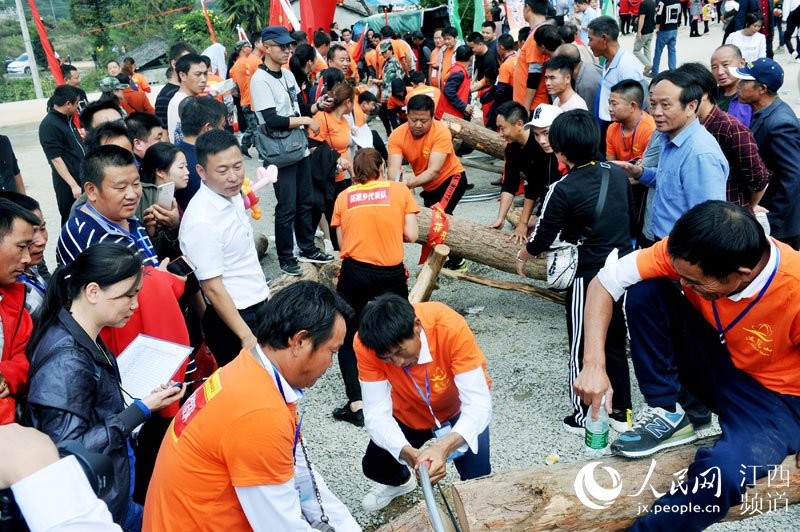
{"type": "Point", "coordinates": [91, 14]}
{"type": "Point", "coordinates": [252, 15]}
{"type": "Point", "coordinates": [192, 28]}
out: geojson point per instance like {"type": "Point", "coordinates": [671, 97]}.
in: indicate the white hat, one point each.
{"type": "Point", "coordinates": [543, 116]}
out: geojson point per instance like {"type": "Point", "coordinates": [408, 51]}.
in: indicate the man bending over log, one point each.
{"type": "Point", "coordinates": [427, 145]}
{"type": "Point", "coordinates": [422, 376]}
{"type": "Point", "coordinates": [732, 342]}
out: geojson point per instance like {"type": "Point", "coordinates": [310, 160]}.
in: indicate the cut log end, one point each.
{"type": "Point", "coordinates": [426, 280]}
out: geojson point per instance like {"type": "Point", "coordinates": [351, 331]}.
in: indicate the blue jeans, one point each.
{"type": "Point", "coordinates": [685, 348]}
{"type": "Point", "coordinates": [668, 39]}
{"type": "Point", "coordinates": [132, 520]}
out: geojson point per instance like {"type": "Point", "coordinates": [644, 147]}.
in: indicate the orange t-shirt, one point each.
{"type": "Point", "coordinates": [241, 72]}
{"type": "Point", "coordinates": [766, 342]}
{"type": "Point", "coordinates": [372, 217]}
{"type": "Point", "coordinates": [336, 133]}
{"type": "Point", "coordinates": [627, 148]}
{"type": "Point", "coordinates": [141, 82]}
{"type": "Point", "coordinates": [235, 431]}
{"type": "Point", "coordinates": [453, 351]}
{"type": "Point", "coordinates": [527, 55]}
{"type": "Point", "coordinates": [359, 116]}
{"type": "Point", "coordinates": [427, 90]}
{"type": "Point", "coordinates": [371, 59]}
{"type": "Point", "coordinates": [136, 101]}
{"type": "Point", "coordinates": [400, 48]}
{"type": "Point", "coordinates": [319, 65]}
{"type": "Point", "coordinates": [507, 67]}
{"type": "Point", "coordinates": [418, 151]}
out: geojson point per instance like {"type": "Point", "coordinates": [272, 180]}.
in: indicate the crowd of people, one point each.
{"type": "Point", "coordinates": [677, 186]}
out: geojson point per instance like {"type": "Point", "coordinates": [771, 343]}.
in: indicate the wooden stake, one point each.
{"type": "Point", "coordinates": [426, 280]}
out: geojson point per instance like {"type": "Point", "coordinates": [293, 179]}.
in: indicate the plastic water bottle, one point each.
{"type": "Point", "coordinates": [597, 432]}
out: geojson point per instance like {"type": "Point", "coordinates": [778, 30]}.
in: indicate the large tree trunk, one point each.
{"type": "Point", "coordinates": [544, 498]}
{"type": "Point", "coordinates": [480, 244]}
{"type": "Point", "coordinates": [476, 135]}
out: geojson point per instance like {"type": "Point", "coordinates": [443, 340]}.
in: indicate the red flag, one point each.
{"type": "Point", "coordinates": [52, 62]}
{"type": "Point", "coordinates": [359, 53]}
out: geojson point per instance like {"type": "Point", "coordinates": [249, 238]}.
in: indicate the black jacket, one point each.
{"type": "Point", "coordinates": [777, 133]}
{"type": "Point", "coordinates": [569, 209]}
{"type": "Point", "coordinates": [75, 394]}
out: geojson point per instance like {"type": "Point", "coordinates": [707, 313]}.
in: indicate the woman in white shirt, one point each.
{"type": "Point", "coordinates": [750, 40]}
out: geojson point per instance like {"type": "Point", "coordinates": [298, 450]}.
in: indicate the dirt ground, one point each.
{"type": "Point", "coordinates": [523, 337]}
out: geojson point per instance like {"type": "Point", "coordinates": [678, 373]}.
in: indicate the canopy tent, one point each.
{"type": "Point", "coordinates": [425, 20]}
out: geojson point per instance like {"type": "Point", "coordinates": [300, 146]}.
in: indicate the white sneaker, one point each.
{"type": "Point", "coordinates": [381, 494]}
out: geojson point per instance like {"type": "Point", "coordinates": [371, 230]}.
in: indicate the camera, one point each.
{"type": "Point", "coordinates": [97, 468]}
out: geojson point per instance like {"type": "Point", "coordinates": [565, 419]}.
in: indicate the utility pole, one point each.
{"type": "Point", "coordinates": [26, 37]}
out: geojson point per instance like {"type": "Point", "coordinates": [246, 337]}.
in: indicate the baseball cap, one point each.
{"type": "Point", "coordinates": [277, 34]}
{"type": "Point", "coordinates": [763, 70]}
{"type": "Point", "coordinates": [385, 46]}
{"type": "Point", "coordinates": [543, 116]}
{"type": "Point", "coordinates": [110, 84]}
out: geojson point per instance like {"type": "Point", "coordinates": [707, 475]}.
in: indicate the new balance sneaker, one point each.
{"type": "Point", "coordinates": [456, 264]}
{"type": "Point", "coordinates": [571, 424]}
{"type": "Point", "coordinates": [620, 420]}
{"type": "Point", "coordinates": [655, 429]}
{"type": "Point", "coordinates": [381, 495]}
{"type": "Point", "coordinates": [317, 257]}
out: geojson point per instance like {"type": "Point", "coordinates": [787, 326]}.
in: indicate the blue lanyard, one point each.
{"type": "Point", "coordinates": [31, 282]}
{"type": "Point", "coordinates": [427, 395]}
{"type": "Point", "coordinates": [633, 137]}
{"type": "Point", "coordinates": [137, 239]}
{"type": "Point", "coordinates": [752, 304]}
{"type": "Point", "coordinates": [303, 413]}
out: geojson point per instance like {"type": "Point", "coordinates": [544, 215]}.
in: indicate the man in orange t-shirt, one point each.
{"type": "Point", "coordinates": [427, 145]}
{"type": "Point", "coordinates": [629, 134]}
{"type": "Point", "coordinates": [418, 87]}
{"type": "Point", "coordinates": [241, 72]}
{"type": "Point", "coordinates": [422, 376]}
{"type": "Point", "coordinates": [529, 89]}
{"type": "Point", "coordinates": [729, 335]}
{"type": "Point", "coordinates": [234, 458]}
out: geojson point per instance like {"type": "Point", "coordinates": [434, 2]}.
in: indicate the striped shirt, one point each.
{"type": "Point", "coordinates": [83, 230]}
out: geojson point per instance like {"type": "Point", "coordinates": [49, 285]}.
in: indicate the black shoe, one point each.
{"type": "Point", "coordinates": [345, 414]}
{"type": "Point", "coordinates": [291, 268]}
{"type": "Point", "coordinates": [317, 257]}
{"type": "Point", "coordinates": [459, 264]}
{"type": "Point", "coordinates": [497, 182]}
{"type": "Point", "coordinates": [246, 152]}
{"type": "Point", "coordinates": [470, 186]}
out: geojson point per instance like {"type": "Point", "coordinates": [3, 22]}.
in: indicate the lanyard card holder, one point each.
{"type": "Point", "coordinates": [442, 432]}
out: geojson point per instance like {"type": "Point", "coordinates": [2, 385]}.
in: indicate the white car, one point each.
{"type": "Point", "coordinates": [21, 65]}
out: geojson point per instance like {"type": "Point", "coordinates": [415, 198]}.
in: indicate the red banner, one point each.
{"type": "Point", "coordinates": [276, 15]}
{"type": "Point", "coordinates": [316, 14]}
{"type": "Point", "coordinates": [52, 62]}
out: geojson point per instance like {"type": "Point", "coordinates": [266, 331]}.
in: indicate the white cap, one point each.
{"type": "Point", "coordinates": [543, 116]}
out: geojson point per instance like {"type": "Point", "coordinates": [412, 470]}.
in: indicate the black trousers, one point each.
{"type": "Point", "coordinates": [359, 283]}
{"type": "Point", "coordinates": [380, 466]}
{"type": "Point", "coordinates": [64, 198]}
{"type": "Point", "coordinates": [294, 192]}
{"type": "Point", "coordinates": [429, 198]}
{"type": "Point", "coordinates": [383, 114]}
{"type": "Point", "coordinates": [378, 144]}
{"type": "Point", "coordinates": [323, 205]}
{"type": "Point", "coordinates": [616, 357]}
{"type": "Point", "coordinates": [222, 342]}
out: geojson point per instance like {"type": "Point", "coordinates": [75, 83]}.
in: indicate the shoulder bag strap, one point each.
{"type": "Point", "coordinates": [601, 201]}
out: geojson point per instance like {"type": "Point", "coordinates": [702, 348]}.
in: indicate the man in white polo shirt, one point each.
{"type": "Point", "coordinates": [217, 237]}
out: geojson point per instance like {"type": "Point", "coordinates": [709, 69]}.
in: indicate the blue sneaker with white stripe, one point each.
{"type": "Point", "coordinates": [655, 429]}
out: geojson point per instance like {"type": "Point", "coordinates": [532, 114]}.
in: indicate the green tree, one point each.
{"type": "Point", "coordinates": [252, 15]}
{"type": "Point", "coordinates": [192, 28]}
{"type": "Point", "coordinates": [91, 14]}
{"type": "Point", "coordinates": [138, 33]}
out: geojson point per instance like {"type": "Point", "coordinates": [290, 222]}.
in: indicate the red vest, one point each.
{"type": "Point", "coordinates": [463, 93]}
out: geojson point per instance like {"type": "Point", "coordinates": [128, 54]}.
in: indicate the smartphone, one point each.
{"type": "Point", "coordinates": [165, 194]}
{"type": "Point", "coordinates": [181, 266]}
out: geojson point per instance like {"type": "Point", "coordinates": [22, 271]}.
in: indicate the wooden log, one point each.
{"type": "Point", "coordinates": [477, 136]}
{"type": "Point", "coordinates": [480, 244]}
{"type": "Point", "coordinates": [486, 167]}
{"type": "Point", "coordinates": [525, 288]}
{"type": "Point", "coordinates": [513, 215]}
{"type": "Point", "coordinates": [544, 498]}
{"type": "Point", "coordinates": [426, 280]}
{"type": "Point", "coordinates": [310, 273]}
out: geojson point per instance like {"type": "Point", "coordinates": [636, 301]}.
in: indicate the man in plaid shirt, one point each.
{"type": "Point", "coordinates": [748, 177]}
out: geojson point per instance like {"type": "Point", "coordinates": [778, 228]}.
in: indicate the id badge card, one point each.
{"type": "Point", "coordinates": [441, 433]}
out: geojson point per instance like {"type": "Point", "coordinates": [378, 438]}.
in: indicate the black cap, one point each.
{"type": "Point", "coordinates": [277, 34]}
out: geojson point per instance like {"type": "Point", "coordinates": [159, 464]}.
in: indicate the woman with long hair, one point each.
{"type": "Point", "coordinates": [164, 163]}
{"type": "Point", "coordinates": [334, 130]}
{"type": "Point", "coordinates": [372, 219]}
{"type": "Point", "coordinates": [301, 64]}
{"type": "Point", "coordinates": [75, 390]}
{"type": "Point", "coordinates": [129, 69]}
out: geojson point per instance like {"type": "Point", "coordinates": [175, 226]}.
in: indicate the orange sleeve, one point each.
{"type": "Point", "coordinates": [410, 205]}
{"type": "Point", "coordinates": [442, 141]}
{"type": "Point", "coordinates": [395, 144]}
{"type": "Point", "coordinates": [370, 367]}
{"type": "Point", "coordinates": [338, 209]}
{"type": "Point", "coordinates": [268, 463]}
{"type": "Point", "coordinates": [655, 262]}
{"type": "Point", "coordinates": [323, 128]}
{"type": "Point", "coordinates": [610, 151]}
